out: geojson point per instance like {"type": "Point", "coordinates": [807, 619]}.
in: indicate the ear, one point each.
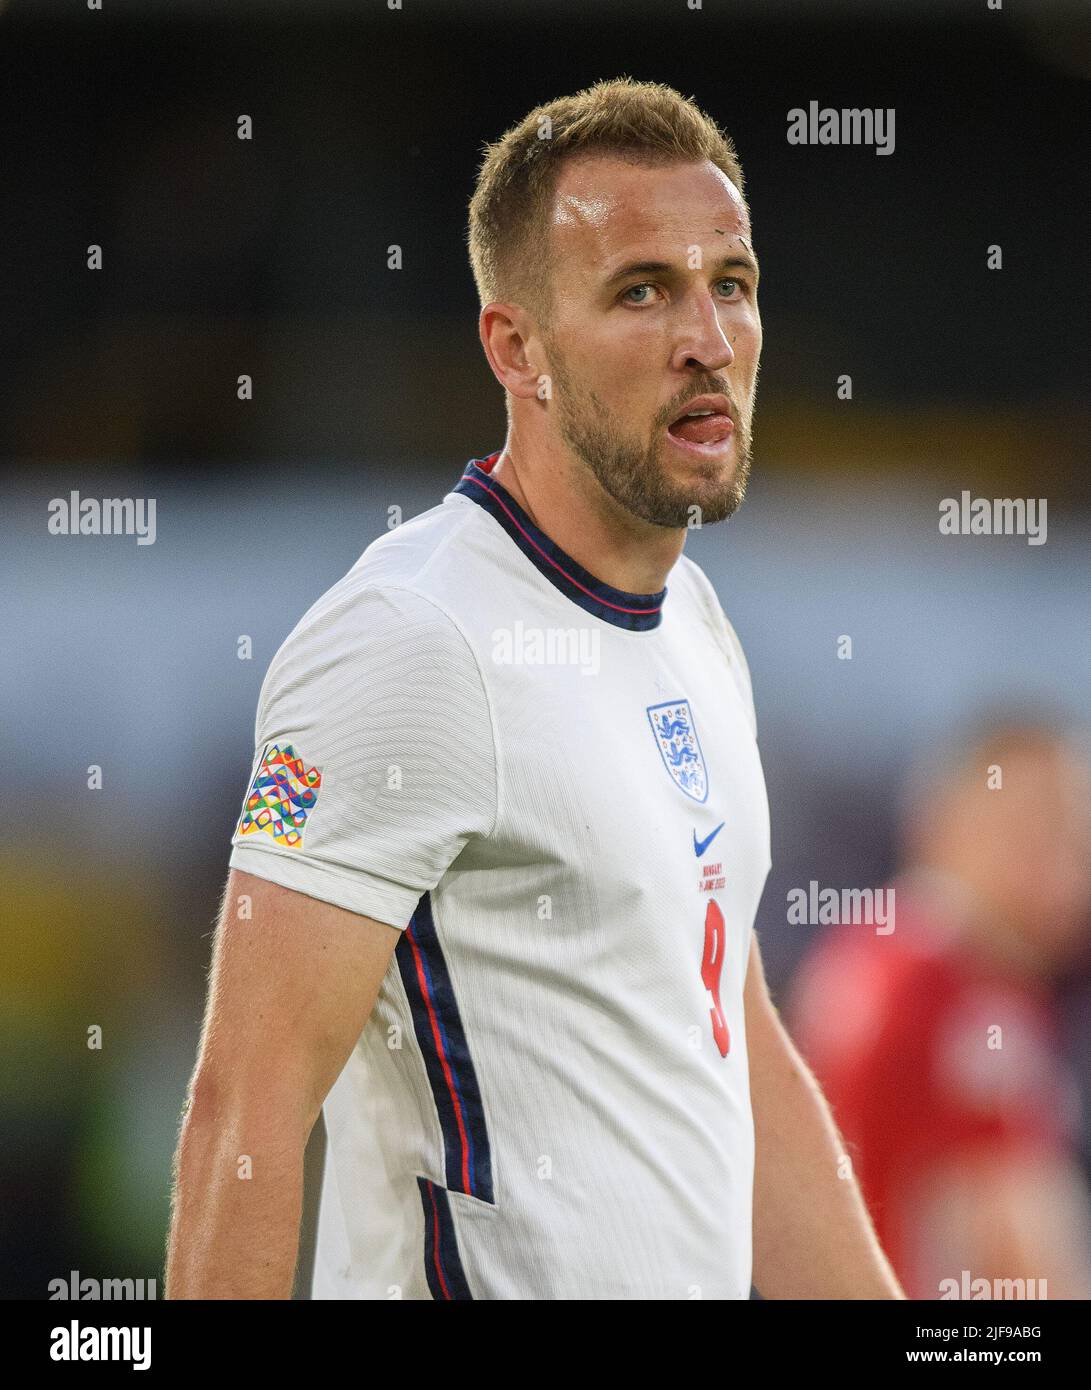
{"type": "Point", "coordinates": [510, 342]}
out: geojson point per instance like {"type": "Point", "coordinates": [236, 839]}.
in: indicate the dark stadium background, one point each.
{"type": "Point", "coordinates": [269, 257]}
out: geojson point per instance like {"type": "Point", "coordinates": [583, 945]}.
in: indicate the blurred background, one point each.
{"type": "Point", "coordinates": [269, 257]}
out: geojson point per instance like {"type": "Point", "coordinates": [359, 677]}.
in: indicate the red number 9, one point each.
{"type": "Point", "coordinates": [711, 967]}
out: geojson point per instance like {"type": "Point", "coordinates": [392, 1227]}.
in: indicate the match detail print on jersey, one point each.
{"type": "Point", "coordinates": [446, 1051]}
{"type": "Point", "coordinates": [281, 797]}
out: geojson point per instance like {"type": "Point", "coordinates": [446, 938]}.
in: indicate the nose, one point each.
{"type": "Point", "coordinates": [701, 339]}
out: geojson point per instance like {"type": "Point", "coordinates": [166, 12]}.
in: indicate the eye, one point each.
{"type": "Point", "coordinates": [735, 284]}
{"type": "Point", "coordinates": [644, 285]}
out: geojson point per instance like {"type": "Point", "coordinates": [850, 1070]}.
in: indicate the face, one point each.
{"type": "Point", "coordinates": [654, 303]}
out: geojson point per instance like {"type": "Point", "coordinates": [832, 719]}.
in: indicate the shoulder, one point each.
{"type": "Point", "coordinates": [388, 634]}
{"type": "Point", "coordinates": [691, 578]}
{"type": "Point", "coordinates": [697, 588]}
{"type": "Point", "coordinates": [422, 553]}
{"type": "Point", "coordinates": [396, 598]}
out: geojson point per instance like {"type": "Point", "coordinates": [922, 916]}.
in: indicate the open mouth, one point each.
{"type": "Point", "coordinates": [706, 428]}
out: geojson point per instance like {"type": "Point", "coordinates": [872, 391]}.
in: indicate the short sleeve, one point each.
{"type": "Point", "coordinates": [374, 761]}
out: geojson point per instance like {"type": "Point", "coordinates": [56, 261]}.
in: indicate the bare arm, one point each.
{"type": "Point", "coordinates": [289, 994]}
{"type": "Point", "coordinates": [813, 1237]}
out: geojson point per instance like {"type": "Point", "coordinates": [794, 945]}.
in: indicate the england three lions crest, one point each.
{"type": "Point", "coordinates": [679, 746]}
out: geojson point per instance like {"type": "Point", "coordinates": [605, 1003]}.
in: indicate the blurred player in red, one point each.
{"type": "Point", "coordinates": [935, 1043]}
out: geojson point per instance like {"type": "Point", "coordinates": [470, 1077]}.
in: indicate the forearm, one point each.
{"type": "Point", "coordinates": [813, 1237]}
{"type": "Point", "coordinates": [237, 1204]}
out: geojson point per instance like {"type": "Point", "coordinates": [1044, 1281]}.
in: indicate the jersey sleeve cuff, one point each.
{"type": "Point", "coordinates": [357, 892]}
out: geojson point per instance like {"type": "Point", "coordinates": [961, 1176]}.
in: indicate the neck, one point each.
{"type": "Point", "coordinates": [565, 501]}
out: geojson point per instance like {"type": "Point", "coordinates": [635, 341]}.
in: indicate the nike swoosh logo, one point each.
{"type": "Point", "coordinates": [699, 846]}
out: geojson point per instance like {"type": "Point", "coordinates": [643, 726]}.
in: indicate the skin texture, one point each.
{"type": "Point", "coordinates": [290, 991]}
{"type": "Point", "coordinates": [813, 1237]}
{"type": "Point", "coordinates": [591, 463]}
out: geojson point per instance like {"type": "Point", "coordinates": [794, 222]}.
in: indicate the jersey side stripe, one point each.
{"type": "Point", "coordinates": [442, 1261]}
{"type": "Point", "coordinates": [446, 1051]}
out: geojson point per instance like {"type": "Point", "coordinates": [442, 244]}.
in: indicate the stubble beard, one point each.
{"type": "Point", "coordinates": [633, 474]}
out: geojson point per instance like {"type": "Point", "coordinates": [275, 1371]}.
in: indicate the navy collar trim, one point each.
{"type": "Point", "coordinates": [634, 612]}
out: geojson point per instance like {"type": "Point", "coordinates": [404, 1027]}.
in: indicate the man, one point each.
{"type": "Point", "coordinates": [507, 828]}
{"type": "Point", "coordinates": [935, 1043]}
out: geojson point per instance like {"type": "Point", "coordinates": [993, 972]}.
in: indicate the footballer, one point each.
{"type": "Point", "coordinates": [492, 914]}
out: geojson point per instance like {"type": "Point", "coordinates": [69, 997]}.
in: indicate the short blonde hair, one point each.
{"type": "Point", "coordinates": [646, 122]}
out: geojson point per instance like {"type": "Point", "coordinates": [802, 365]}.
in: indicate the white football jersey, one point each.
{"type": "Point", "coordinates": [552, 788]}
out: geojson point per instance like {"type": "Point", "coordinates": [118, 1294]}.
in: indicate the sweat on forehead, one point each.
{"type": "Point", "coordinates": [604, 202]}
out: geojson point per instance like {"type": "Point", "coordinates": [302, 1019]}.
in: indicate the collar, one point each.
{"type": "Point", "coordinates": [634, 612]}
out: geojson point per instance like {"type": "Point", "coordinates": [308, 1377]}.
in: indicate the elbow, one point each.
{"type": "Point", "coordinates": [270, 1101]}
